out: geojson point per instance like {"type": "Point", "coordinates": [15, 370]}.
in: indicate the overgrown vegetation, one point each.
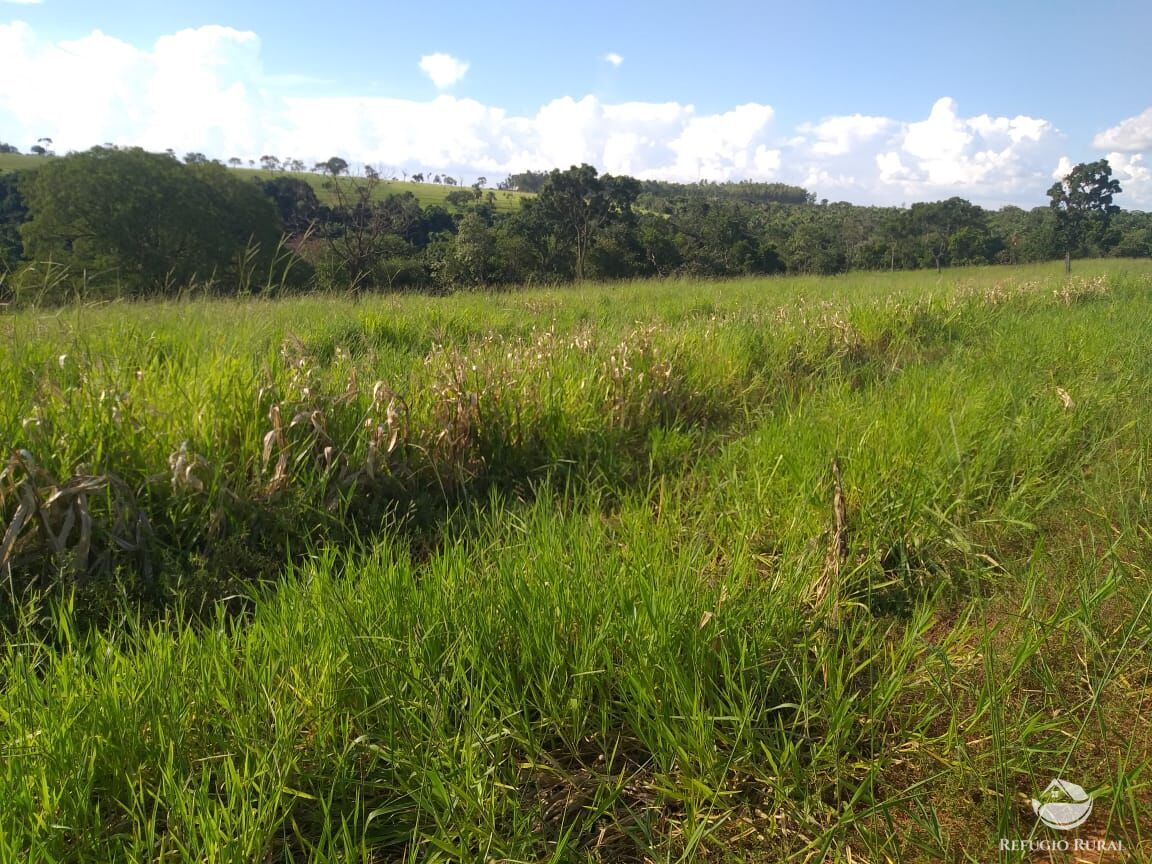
{"type": "Point", "coordinates": [567, 574]}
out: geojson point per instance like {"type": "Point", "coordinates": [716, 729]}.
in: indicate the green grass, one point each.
{"type": "Point", "coordinates": [426, 194]}
{"type": "Point", "coordinates": [585, 605]}
{"type": "Point", "coordinates": [16, 161]}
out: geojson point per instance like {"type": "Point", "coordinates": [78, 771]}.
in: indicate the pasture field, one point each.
{"type": "Point", "coordinates": [426, 194]}
{"type": "Point", "coordinates": [842, 569]}
{"type": "Point", "coordinates": [15, 162]}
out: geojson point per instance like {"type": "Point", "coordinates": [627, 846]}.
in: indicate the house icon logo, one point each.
{"type": "Point", "coordinates": [1063, 805]}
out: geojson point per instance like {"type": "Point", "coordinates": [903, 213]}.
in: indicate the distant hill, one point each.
{"type": "Point", "coordinates": [655, 195]}
{"type": "Point", "coordinates": [17, 162]}
{"type": "Point", "coordinates": [426, 193]}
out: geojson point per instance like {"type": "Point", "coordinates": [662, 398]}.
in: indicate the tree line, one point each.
{"type": "Point", "coordinates": [126, 222]}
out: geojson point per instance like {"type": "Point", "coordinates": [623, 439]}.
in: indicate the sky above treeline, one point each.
{"type": "Point", "coordinates": [875, 103]}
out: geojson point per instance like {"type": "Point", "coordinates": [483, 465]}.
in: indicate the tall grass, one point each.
{"type": "Point", "coordinates": [557, 575]}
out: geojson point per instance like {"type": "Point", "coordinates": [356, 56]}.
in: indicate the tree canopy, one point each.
{"type": "Point", "coordinates": [149, 218]}
{"type": "Point", "coordinates": [13, 212]}
{"type": "Point", "coordinates": [1082, 201]}
{"type": "Point", "coordinates": [142, 222]}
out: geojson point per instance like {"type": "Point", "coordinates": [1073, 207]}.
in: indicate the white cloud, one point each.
{"type": "Point", "coordinates": [883, 160]}
{"type": "Point", "coordinates": [206, 89]}
{"type": "Point", "coordinates": [951, 151]}
{"type": "Point", "coordinates": [642, 139]}
{"type": "Point", "coordinates": [1135, 178]}
{"type": "Point", "coordinates": [194, 90]}
{"type": "Point", "coordinates": [982, 157]}
{"type": "Point", "coordinates": [444, 69]}
{"type": "Point", "coordinates": [1063, 168]}
{"type": "Point", "coordinates": [836, 136]}
{"type": "Point", "coordinates": [725, 146]}
{"type": "Point", "coordinates": [613, 58]}
{"type": "Point", "coordinates": [1129, 136]}
{"type": "Point", "coordinates": [891, 168]}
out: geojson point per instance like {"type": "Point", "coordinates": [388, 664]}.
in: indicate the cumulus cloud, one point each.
{"type": "Point", "coordinates": [836, 136]}
{"type": "Point", "coordinates": [885, 160]}
{"type": "Point", "coordinates": [1135, 177]}
{"type": "Point", "coordinates": [613, 58]}
{"type": "Point", "coordinates": [1063, 168]}
{"type": "Point", "coordinates": [444, 69]}
{"type": "Point", "coordinates": [205, 89]}
{"type": "Point", "coordinates": [1133, 135]}
{"type": "Point", "coordinates": [947, 150]}
{"type": "Point", "coordinates": [642, 139]}
{"type": "Point", "coordinates": [195, 89]}
{"type": "Point", "coordinates": [986, 158]}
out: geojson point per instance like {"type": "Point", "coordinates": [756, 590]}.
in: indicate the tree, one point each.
{"type": "Point", "coordinates": [657, 238]}
{"type": "Point", "coordinates": [246, 225]}
{"type": "Point", "coordinates": [1134, 235]}
{"type": "Point", "coordinates": [576, 203]}
{"type": "Point", "coordinates": [37, 150]}
{"type": "Point", "coordinates": [528, 181]}
{"type": "Point", "coordinates": [951, 232]}
{"type": "Point", "coordinates": [295, 201]}
{"type": "Point", "coordinates": [13, 213]}
{"type": "Point", "coordinates": [235, 162]}
{"type": "Point", "coordinates": [334, 166]}
{"type": "Point", "coordinates": [816, 242]}
{"type": "Point", "coordinates": [398, 264]}
{"type": "Point", "coordinates": [1083, 205]}
{"type": "Point", "coordinates": [269, 163]}
{"type": "Point", "coordinates": [195, 158]}
{"type": "Point", "coordinates": [469, 261]}
{"type": "Point", "coordinates": [459, 198]}
{"type": "Point", "coordinates": [8, 148]}
{"type": "Point", "coordinates": [1025, 236]}
{"type": "Point", "coordinates": [157, 223]}
{"type": "Point", "coordinates": [357, 232]}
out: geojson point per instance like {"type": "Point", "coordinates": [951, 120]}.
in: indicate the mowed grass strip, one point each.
{"type": "Point", "coordinates": [651, 656]}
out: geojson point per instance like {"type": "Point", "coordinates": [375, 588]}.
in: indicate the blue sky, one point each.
{"type": "Point", "coordinates": [883, 102]}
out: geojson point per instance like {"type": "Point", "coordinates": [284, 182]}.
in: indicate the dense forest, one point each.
{"type": "Point", "coordinates": [117, 221]}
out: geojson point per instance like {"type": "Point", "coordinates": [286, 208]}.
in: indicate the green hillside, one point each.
{"type": "Point", "coordinates": [426, 193]}
{"type": "Point", "coordinates": [17, 162]}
